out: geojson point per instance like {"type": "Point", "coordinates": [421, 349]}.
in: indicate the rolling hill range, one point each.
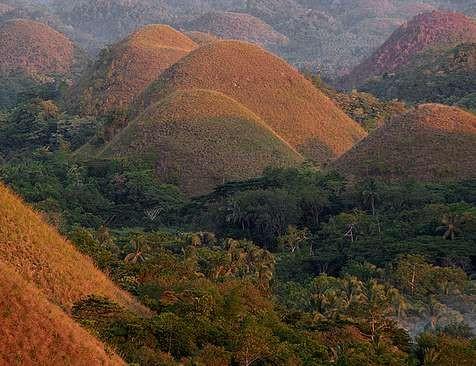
{"type": "Point", "coordinates": [36, 332]}
{"type": "Point", "coordinates": [265, 84]}
{"type": "Point", "coordinates": [441, 75]}
{"type": "Point", "coordinates": [34, 49]}
{"type": "Point", "coordinates": [428, 30]}
{"type": "Point", "coordinates": [46, 260]}
{"type": "Point", "coordinates": [429, 143]}
{"type": "Point", "coordinates": [201, 139]}
{"type": "Point", "coordinates": [127, 68]}
{"type": "Point", "coordinates": [239, 26]}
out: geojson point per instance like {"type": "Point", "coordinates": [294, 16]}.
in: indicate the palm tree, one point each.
{"type": "Point", "coordinates": [137, 255]}
{"type": "Point", "coordinates": [451, 223]}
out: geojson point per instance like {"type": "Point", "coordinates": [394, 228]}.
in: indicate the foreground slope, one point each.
{"type": "Point", "coordinates": [433, 142]}
{"type": "Point", "coordinates": [46, 259]}
{"type": "Point", "coordinates": [240, 26]}
{"type": "Point", "coordinates": [202, 138]}
{"type": "Point", "coordinates": [34, 49]}
{"type": "Point", "coordinates": [433, 29]}
{"type": "Point", "coordinates": [128, 67]}
{"type": "Point", "coordinates": [36, 332]}
{"type": "Point", "coordinates": [288, 103]}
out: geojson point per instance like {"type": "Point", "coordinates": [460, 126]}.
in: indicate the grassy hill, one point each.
{"type": "Point", "coordinates": [200, 139]}
{"type": "Point", "coordinates": [201, 38]}
{"type": "Point", "coordinates": [429, 143]}
{"type": "Point", "coordinates": [433, 29]}
{"type": "Point", "coordinates": [44, 258]}
{"type": "Point", "coordinates": [440, 75]}
{"type": "Point", "coordinates": [127, 68]}
{"type": "Point", "coordinates": [34, 49]}
{"type": "Point", "coordinates": [36, 332]}
{"type": "Point", "coordinates": [265, 84]}
{"type": "Point", "coordinates": [240, 26]}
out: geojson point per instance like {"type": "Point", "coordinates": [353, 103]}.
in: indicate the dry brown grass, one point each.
{"type": "Point", "coordinates": [265, 84]}
{"type": "Point", "coordinates": [431, 143]}
{"type": "Point", "coordinates": [240, 26]}
{"type": "Point", "coordinates": [35, 332]}
{"type": "Point", "coordinates": [432, 29]}
{"type": "Point", "coordinates": [202, 138]}
{"type": "Point", "coordinates": [34, 48]}
{"type": "Point", "coordinates": [129, 67]}
{"type": "Point", "coordinates": [45, 259]}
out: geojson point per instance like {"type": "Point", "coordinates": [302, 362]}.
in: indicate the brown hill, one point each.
{"type": "Point", "coordinates": [265, 84]}
{"type": "Point", "coordinates": [34, 48]}
{"type": "Point", "coordinates": [201, 38]}
{"type": "Point", "coordinates": [125, 70]}
{"type": "Point", "coordinates": [433, 142]}
{"type": "Point", "coordinates": [36, 332]}
{"type": "Point", "coordinates": [240, 26]}
{"type": "Point", "coordinates": [433, 29]}
{"type": "Point", "coordinates": [202, 138]}
{"type": "Point", "coordinates": [48, 261]}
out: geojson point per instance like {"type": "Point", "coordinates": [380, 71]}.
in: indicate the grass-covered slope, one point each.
{"type": "Point", "coordinates": [430, 143]}
{"type": "Point", "coordinates": [200, 139]}
{"type": "Point", "coordinates": [240, 26]}
{"type": "Point", "coordinates": [288, 103]}
{"type": "Point", "coordinates": [125, 70]}
{"type": "Point", "coordinates": [433, 29]}
{"type": "Point", "coordinates": [36, 332]}
{"type": "Point", "coordinates": [441, 75]}
{"type": "Point", "coordinates": [34, 49]}
{"type": "Point", "coordinates": [44, 258]}
{"type": "Point", "coordinates": [201, 38]}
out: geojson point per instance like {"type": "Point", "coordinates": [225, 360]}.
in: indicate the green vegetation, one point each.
{"type": "Point", "coordinates": [437, 75]}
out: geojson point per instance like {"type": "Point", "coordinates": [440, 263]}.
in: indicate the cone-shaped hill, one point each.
{"type": "Point", "coordinates": [34, 49]}
{"type": "Point", "coordinates": [240, 26]}
{"type": "Point", "coordinates": [36, 332]}
{"type": "Point", "coordinates": [432, 29]}
{"type": "Point", "coordinates": [200, 139]}
{"type": "Point", "coordinates": [265, 84]}
{"type": "Point", "coordinates": [433, 142]}
{"type": "Point", "coordinates": [44, 258]}
{"type": "Point", "coordinates": [127, 68]}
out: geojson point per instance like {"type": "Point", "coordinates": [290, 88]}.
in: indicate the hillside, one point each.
{"type": "Point", "coordinates": [5, 8]}
{"type": "Point", "coordinates": [288, 103]}
{"type": "Point", "coordinates": [430, 143]}
{"type": "Point", "coordinates": [201, 139]}
{"type": "Point", "coordinates": [34, 49]}
{"type": "Point", "coordinates": [433, 29]}
{"type": "Point", "coordinates": [47, 260]}
{"type": "Point", "coordinates": [36, 332]}
{"type": "Point", "coordinates": [439, 75]}
{"type": "Point", "coordinates": [239, 26]}
{"type": "Point", "coordinates": [127, 68]}
{"type": "Point", "coordinates": [201, 38]}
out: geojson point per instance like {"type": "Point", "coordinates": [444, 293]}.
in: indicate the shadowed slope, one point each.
{"type": "Point", "coordinates": [287, 102]}
{"type": "Point", "coordinates": [34, 49]}
{"type": "Point", "coordinates": [202, 138]}
{"type": "Point", "coordinates": [432, 143]}
{"type": "Point", "coordinates": [46, 259]}
{"type": "Point", "coordinates": [35, 332]}
{"type": "Point", "coordinates": [125, 70]}
{"type": "Point", "coordinates": [434, 29]}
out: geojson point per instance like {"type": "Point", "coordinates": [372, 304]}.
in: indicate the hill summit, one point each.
{"type": "Point", "coordinates": [432, 29]}
{"type": "Point", "coordinates": [432, 142]}
{"type": "Point", "coordinates": [128, 67]}
{"type": "Point", "coordinates": [239, 26]}
{"type": "Point", "coordinates": [34, 49]}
